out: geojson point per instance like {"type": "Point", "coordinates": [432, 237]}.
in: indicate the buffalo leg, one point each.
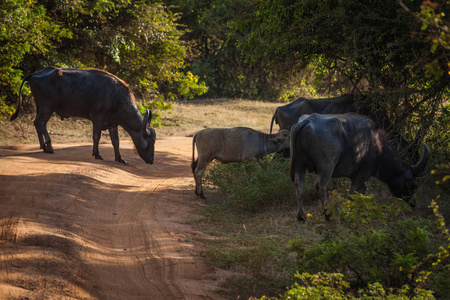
{"type": "Point", "coordinates": [96, 134]}
{"type": "Point", "coordinates": [321, 187]}
{"type": "Point", "coordinates": [299, 182]}
{"type": "Point", "coordinates": [198, 174]}
{"type": "Point", "coordinates": [114, 134]}
{"type": "Point", "coordinates": [356, 186]}
{"type": "Point", "coordinates": [40, 123]}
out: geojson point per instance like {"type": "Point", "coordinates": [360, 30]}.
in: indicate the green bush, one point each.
{"type": "Point", "coordinates": [368, 242]}
{"type": "Point", "coordinates": [250, 186]}
{"type": "Point", "coordinates": [438, 137]}
{"type": "Point", "coordinates": [333, 286]}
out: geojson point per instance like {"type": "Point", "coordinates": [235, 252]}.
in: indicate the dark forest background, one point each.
{"type": "Point", "coordinates": [395, 53]}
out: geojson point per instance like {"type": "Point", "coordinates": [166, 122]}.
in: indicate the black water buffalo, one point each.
{"type": "Point", "coordinates": [347, 145]}
{"type": "Point", "coordinates": [232, 145]}
{"type": "Point", "coordinates": [94, 95]}
{"type": "Point", "coordinates": [287, 115]}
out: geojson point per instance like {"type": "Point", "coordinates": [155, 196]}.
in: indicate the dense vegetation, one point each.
{"type": "Point", "coordinates": [137, 40]}
{"type": "Point", "coordinates": [375, 246]}
{"type": "Point", "coordinates": [396, 53]}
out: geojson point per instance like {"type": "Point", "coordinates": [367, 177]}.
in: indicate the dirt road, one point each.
{"type": "Point", "coordinates": [73, 227]}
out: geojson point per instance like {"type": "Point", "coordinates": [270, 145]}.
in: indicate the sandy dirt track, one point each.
{"type": "Point", "coordinates": [73, 227]}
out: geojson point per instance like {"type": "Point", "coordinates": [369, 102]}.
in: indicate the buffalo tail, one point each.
{"type": "Point", "coordinates": [271, 123]}
{"type": "Point", "coordinates": [294, 133]}
{"type": "Point", "coordinates": [194, 162]}
{"type": "Point", "coordinates": [19, 101]}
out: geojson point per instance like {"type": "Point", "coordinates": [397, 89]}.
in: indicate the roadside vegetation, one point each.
{"type": "Point", "coordinates": [374, 246]}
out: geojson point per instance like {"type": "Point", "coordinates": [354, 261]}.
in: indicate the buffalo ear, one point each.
{"type": "Point", "coordinates": [278, 140]}
{"type": "Point", "coordinates": [284, 132]}
{"type": "Point", "coordinates": [150, 132]}
{"type": "Point", "coordinates": [281, 137]}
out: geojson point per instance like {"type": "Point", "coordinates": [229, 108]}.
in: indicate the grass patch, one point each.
{"type": "Point", "coordinates": [250, 215]}
{"type": "Point", "coordinates": [252, 245]}
{"type": "Point", "coordinates": [253, 187]}
{"type": "Point", "coordinates": [251, 218]}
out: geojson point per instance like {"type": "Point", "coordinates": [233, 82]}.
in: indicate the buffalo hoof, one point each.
{"type": "Point", "coordinates": [97, 156]}
{"type": "Point", "coordinates": [200, 195]}
{"type": "Point", "coordinates": [48, 149]}
{"type": "Point", "coordinates": [301, 218]}
{"type": "Point", "coordinates": [121, 161]}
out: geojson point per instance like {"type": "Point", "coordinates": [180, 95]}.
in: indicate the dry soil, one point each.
{"type": "Point", "coordinates": [73, 227]}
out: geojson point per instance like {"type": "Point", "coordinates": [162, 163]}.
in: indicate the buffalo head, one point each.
{"type": "Point", "coordinates": [281, 139]}
{"type": "Point", "coordinates": [403, 183]}
{"type": "Point", "coordinates": [146, 150]}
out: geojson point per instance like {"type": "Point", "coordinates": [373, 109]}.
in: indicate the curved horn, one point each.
{"type": "Point", "coordinates": [420, 166]}
{"type": "Point", "coordinates": [147, 120]}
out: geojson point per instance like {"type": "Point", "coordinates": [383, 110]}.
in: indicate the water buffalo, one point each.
{"type": "Point", "coordinates": [232, 145]}
{"type": "Point", "coordinates": [94, 95]}
{"type": "Point", "coordinates": [287, 115]}
{"type": "Point", "coordinates": [347, 145]}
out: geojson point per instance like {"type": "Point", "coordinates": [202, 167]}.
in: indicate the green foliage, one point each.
{"type": "Point", "coordinates": [186, 86]}
{"type": "Point", "coordinates": [157, 108]}
{"type": "Point", "coordinates": [333, 286]}
{"type": "Point", "coordinates": [214, 33]}
{"type": "Point", "coordinates": [24, 28]}
{"type": "Point", "coordinates": [399, 247]}
{"type": "Point", "coordinates": [139, 41]}
{"type": "Point", "coordinates": [136, 40]}
{"type": "Point", "coordinates": [364, 47]}
{"type": "Point", "coordinates": [435, 25]}
{"type": "Point", "coordinates": [317, 286]}
{"type": "Point", "coordinates": [252, 187]}
{"type": "Point", "coordinates": [367, 243]}
{"type": "Point", "coordinates": [5, 109]}
{"type": "Point", "coordinates": [438, 138]}
{"type": "Point", "coordinates": [434, 269]}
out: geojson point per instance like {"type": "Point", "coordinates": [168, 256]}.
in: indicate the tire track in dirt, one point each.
{"type": "Point", "coordinates": [75, 227]}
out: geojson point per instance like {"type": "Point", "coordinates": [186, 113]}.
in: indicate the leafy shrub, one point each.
{"type": "Point", "coordinates": [5, 109]}
{"type": "Point", "coordinates": [367, 243]}
{"type": "Point", "coordinates": [159, 105]}
{"type": "Point", "coordinates": [333, 286]}
{"type": "Point", "coordinates": [250, 186]}
{"type": "Point", "coordinates": [434, 270]}
{"type": "Point", "coordinates": [438, 137]}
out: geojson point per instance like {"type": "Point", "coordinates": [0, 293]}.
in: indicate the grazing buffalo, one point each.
{"type": "Point", "coordinates": [94, 95]}
{"type": "Point", "coordinates": [232, 145]}
{"type": "Point", "coordinates": [348, 145]}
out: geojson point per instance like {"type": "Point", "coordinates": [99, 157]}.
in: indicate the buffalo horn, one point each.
{"type": "Point", "coordinates": [147, 120]}
{"type": "Point", "coordinates": [420, 166]}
